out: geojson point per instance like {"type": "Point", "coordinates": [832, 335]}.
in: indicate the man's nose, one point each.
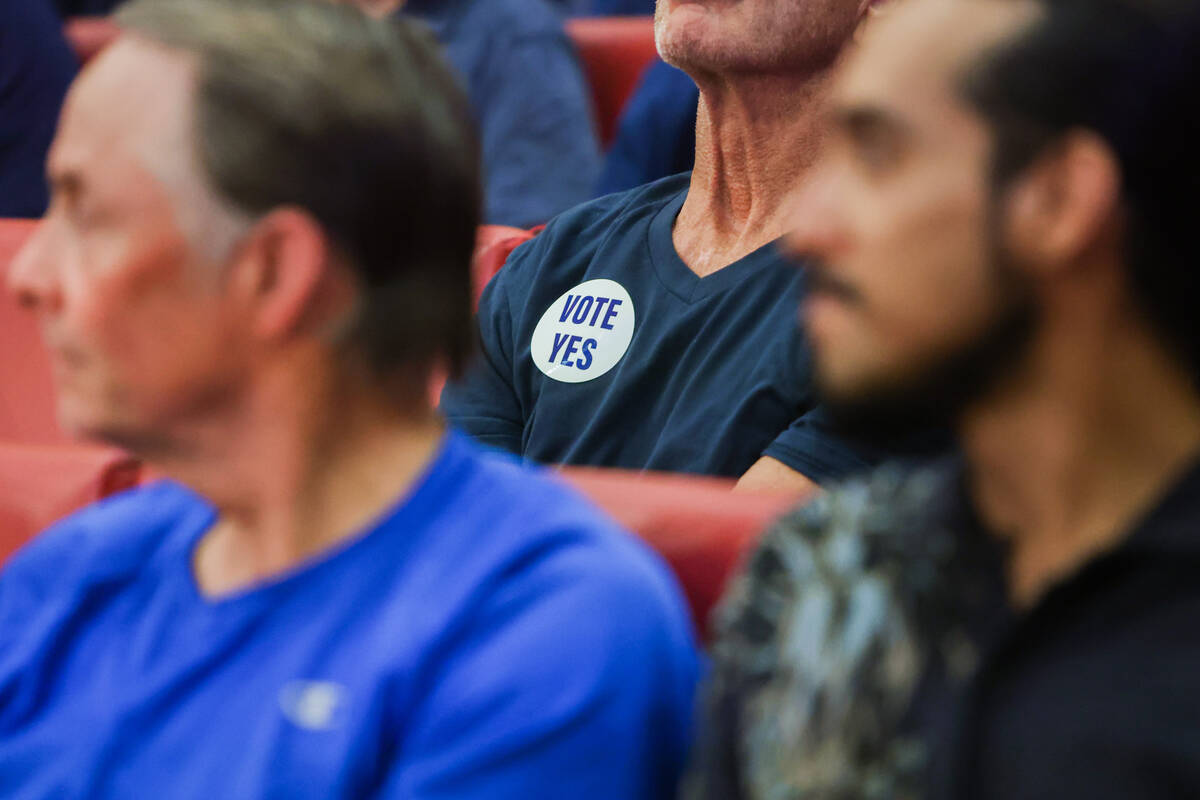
{"type": "Point", "coordinates": [32, 276]}
{"type": "Point", "coordinates": [814, 223]}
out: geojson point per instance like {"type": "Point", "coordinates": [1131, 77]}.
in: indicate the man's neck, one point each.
{"type": "Point", "coordinates": [301, 467]}
{"type": "Point", "coordinates": [1064, 470]}
{"type": "Point", "coordinates": [755, 139]}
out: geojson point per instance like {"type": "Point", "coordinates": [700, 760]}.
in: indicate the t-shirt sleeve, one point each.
{"type": "Point", "coordinates": [810, 447]}
{"type": "Point", "coordinates": [572, 684]}
{"type": "Point", "coordinates": [484, 403]}
{"type": "Point", "coordinates": [540, 151]}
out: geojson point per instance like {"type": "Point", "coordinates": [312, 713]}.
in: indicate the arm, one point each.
{"type": "Point", "coordinates": [771, 475]}
{"type": "Point", "coordinates": [807, 455]}
{"type": "Point", "coordinates": [575, 682]}
{"type": "Point", "coordinates": [540, 151]}
{"type": "Point", "coordinates": [483, 403]}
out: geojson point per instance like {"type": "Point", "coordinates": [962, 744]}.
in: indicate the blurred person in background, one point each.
{"type": "Point", "coordinates": [656, 134]}
{"type": "Point", "coordinates": [1001, 236]}
{"type": "Point", "coordinates": [257, 250]}
{"type": "Point", "coordinates": [86, 8]}
{"type": "Point", "coordinates": [36, 67]}
{"type": "Point", "coordinates": [656, 329]}
{"type": "Point", "coordinates": [541, 154]}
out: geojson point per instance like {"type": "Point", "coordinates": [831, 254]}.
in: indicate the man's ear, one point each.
{"type": "Point", "coordinates": [1065, 203]}
{"type": "Point", "coordinates": [283, 270]}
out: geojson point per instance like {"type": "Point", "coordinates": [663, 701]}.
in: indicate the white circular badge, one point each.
{"type": "Point", "coordinates": [584, 333]}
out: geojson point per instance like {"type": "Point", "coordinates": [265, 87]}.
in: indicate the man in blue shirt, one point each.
{"type": "Point", "coordinates": [36, 67]}
{"type": "Point", "coordinates": [705, 369]}
{"type": "Point", "coordinates": [541, 154]}
{"type": "Point", "coordinates": [258, 248]}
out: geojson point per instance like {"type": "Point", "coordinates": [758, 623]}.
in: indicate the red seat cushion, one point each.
{"type": "Point", "coordinates": [89, 35]}
{"type": "Point", "coordinates": [615, 51]}
{"type": "Point", "coordinates": [27, 407]}
{"type": "Point", "coordinates": [40, 484]}
{"type": "Point", "coordinates": [698, 525]}
{"type": "Point", "coordinates": [493, 243]}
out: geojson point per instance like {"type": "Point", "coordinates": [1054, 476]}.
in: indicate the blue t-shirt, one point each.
{"type": "Point", "coordinates": [36, 67]}
{"type": "Point", "coordinates": [493, 636]}
{"type": "Point", "coordinates": [600, 346]}
{"type": "Point", "coordinates": [656, 136]}
{"type": "Point", "coordinates": [531, 100]}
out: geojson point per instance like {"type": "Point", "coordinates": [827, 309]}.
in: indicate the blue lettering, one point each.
{"type": "Point", "coordinates": [612, 312]}
{"type": "Point", "coordinates": [581, 310]}
{"type": "Point", "coordinates": [572, 301]}
{"type": "Point", "coordinates": [601, 302]}
{"type": "Point", "coordinates": [559, 340]}
{"type": "Point", "coordinates": [571, 348]}
{"type": "Point", "coordinates": [586, 361]}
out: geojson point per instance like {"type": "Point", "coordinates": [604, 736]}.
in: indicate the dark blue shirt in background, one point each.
{"type": "Point", "coordinates": [620, 8]}
{"type": "Point", "coordinates": [656, 136]}
{"type": "Point", "coordinates": [531, 100]}
{"type": "Point", "coordinates": [36, 67]}
{"type": "Point", "coordinates": [647, 366]}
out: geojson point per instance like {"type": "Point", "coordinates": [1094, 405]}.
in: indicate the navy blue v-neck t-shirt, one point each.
{"type": "Point", "coordinates": [601, 347]}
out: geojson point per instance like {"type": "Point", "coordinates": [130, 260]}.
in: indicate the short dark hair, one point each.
{"type": "Point", "coordinates": [359, 122]}
{"type": "Point", "coordinates": [1128, 71]}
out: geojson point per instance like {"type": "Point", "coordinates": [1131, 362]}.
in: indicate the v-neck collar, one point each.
{"type": "Point", "coordinates": [678, 277]}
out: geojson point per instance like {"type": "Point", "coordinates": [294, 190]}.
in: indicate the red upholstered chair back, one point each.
{"type": "Point", "coordinates": [89, 35]}
{"type": "Point", "coordinates": [27, 408]}
{"type": "Point", "coordinates": [615, 52]}
{"type": "Point", "coordinates": [698, 525]}
{"type": "Point", "coordinates": [493, 243]}
{"type": "Point", "coordinates": [40, 484]}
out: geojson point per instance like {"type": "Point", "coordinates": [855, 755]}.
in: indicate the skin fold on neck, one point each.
{"type": "Point", "coordinates": [756, 136]}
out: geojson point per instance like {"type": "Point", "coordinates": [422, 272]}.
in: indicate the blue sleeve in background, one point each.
{"type": "Point", "coordinates": [541, 155]}
{"type": "Point", "coordinates": [36, 67]}
{"type": "Point", "coordinates": [531, 101]}
{"type": "Point", "coordinates": [656, 136]}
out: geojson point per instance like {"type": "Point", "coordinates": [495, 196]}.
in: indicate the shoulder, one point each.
{"type": "Point", "coordinates": [556, 543]}
{"type": "Point", "coordinates": [108, 539]}
{"type": "Point", "coordinates": [832, 547]}
{"type": "Point", "coordinates": [571, 240]}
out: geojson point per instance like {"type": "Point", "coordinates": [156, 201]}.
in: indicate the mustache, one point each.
{"type": "Point", "coordinates": [821, 279]}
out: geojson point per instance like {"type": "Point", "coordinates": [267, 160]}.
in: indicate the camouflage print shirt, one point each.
{"type": "Point", "coordinates": [857, 614]}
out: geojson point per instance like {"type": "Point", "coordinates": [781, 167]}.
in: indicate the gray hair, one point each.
{"type": "Point", "coordinates": [358, 121]}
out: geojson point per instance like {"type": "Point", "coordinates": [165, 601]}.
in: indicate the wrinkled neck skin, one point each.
{"type": "Point", "coordinates": [1068, 456]}
{"type": "Point", "coordinates": [756, 137]}
{"type": "Point", "coordinates": [304, 459]}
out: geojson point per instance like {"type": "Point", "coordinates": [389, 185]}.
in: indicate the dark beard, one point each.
{"type": "Point", "coordinates": [902, 414]}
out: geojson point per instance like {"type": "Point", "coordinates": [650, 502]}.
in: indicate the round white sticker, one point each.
{"type": "Point", "coordinates": [584, 333]}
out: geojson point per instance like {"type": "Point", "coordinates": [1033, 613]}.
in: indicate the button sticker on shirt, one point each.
{"type": "Point", "coordinates": [585, 332]}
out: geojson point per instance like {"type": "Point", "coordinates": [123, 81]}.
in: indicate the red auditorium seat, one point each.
{"type": "Point", "coordinates": [89, 35]}
{"type": "Point", "coordinates": [492, 246]}
{"type": "Point", "coordinates": [40, 484]}
{"type": "Point", "coordinates": [26, 384]}
{"type": "Point", "coordinates": [698, 525]}
{"type": "Point", "coordinates": [615, 51]}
